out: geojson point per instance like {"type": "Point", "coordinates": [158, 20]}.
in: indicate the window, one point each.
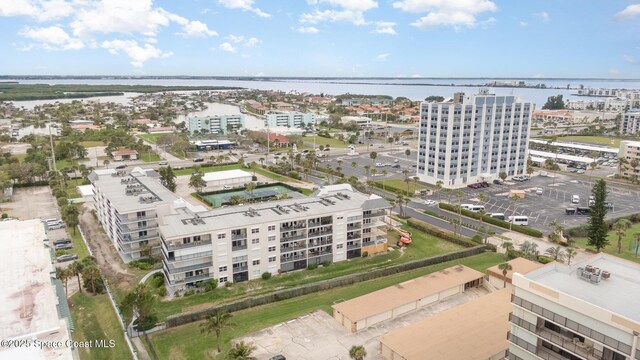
{"type": "Point", "coordinates": [272, 238]}
{"type": "Point", "coordinates": [339, 246]}
{"type": "Point", "coordinates": [272, 248]}
{"type": "Point", "coordinates": [222, 279]}
{"type": "Point", "coordinates": [272, 259]}
{"type": "Point", "coordinates": [256, 262]}
{"type": "Point", "coordinates": [339, 218]}
{"type": "Point", "coordinates": [255, 241]}
{"type": "Point", "coordinates": [222, 236]}
{"type": "Point", "coordinates": [255, 231]}
{"type": "Point", "coordinates": [272, 228]}
{"type": "Point", "coordinates": [222, 268]}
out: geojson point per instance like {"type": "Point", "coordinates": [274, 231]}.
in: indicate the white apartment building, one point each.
{"type": "Point", "coordinates": [472, 140]}
{"type": "Point", "coordinates": [240, 243]}
{"type": "Point", "coordinates": [588, 310]}
{"type": "Point", "coordinates": [362, 121]}
{"type": "Point", "coordinates": [128, 207]}
{"type": "Point", "coordinates": [216, 123]}
{"type": "Point", "coordinates": [292, 119]}
{"type": "Point", "coordinates": [630, 122]}
{"type": "Point", "coordinates": [629, 150]}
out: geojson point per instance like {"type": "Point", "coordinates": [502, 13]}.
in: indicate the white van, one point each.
{"type": "Point", "coordinates": [575, 199]}
{"type": "Point", "coordinates": [476, 208]}
{"type": "Point", "coordinates": [53, 221]}
{"type": "Point", "coordinates": [466, 206]}
{"type": "Point", "coordinates": [498, 216]}
{"type": "Point", "coordinates": [519, 220]}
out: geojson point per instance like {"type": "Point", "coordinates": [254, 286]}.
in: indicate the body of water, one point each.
{"type": "Point", "coordinates": [412, 88]}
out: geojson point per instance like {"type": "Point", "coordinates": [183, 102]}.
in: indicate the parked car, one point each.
{"type": "Point", "coordinates": [198, 160]}
{"type": "Point", "coordinates": [121, 166]}
{"type": "Point", "coordinates": [66, 257]}
{"type": "Point", "coordinates": [430, 202]}
{"type": "Point", "coordinates": [63, 246]}
{"type": "Point", "coordinates": [278, 357]}
{"type": "Point", "coordinates": [609, 205]}
{"type": "Point", "coordinates": [163, 163]}
{"type": "Point", "coordinates": [581, 171]}
{"type": "Point", "coordinates": [62, 241]}
{"type": "Point", "coordinates": [583, 211]}
{"type": "Point", "coordinates": [379, 164]}
{"type": "Point", "coordinates": [381, 146]}
{"type": "Point", "coordinates": [497, 182]}
{"type": "Point", "coordinates": [539, 191]}
{"type": "Point", "coordinates": [55, 226]}
{"type": "Point", "coordinates": [570, 211]}
{"type": "Point", "coordinates": [396, 166]}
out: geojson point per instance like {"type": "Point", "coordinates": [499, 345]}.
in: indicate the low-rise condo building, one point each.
{"type": "Point", "coordinates": [216, 123]}
{"type": "Point", "coordinates": [292, 119]}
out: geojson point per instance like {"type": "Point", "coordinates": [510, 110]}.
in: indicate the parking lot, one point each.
{"type": "Point", "coordinates": [394, 163]}
{"type": "Point", "coordinates": [317, 336]}
{"type": "Point", "coordinates": [556, 197]}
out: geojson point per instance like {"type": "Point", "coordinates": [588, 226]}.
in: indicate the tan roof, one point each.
{"type": "Point", "coordinates": [519, 265]}
{"type": "Point", "coordinates": [393, 296]}
{"type": "Point", "coordinates": [474, 330]}
{"type": "Point", "coordinates": [125, 152]}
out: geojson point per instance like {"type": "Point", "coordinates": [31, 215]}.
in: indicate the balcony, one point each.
{"type": "Point", "coordinates": [190, 256]}
{"type": "Point", "coordinates": [293, 227]}
{"type": "Point", "coordinates": [375, 223]}
{"type": "Point", "coordinates": [188, 279]}
{"type": "Point", "coordinates": [239, 247]}
{"type": "Point", "coordinates": [317, 243]}
{"type": "Point", "coordinates": [128, 238]}
{"type": "Point", "coordinates": [129, 229]}
{"type": "Point", "coordinates": [238, 236]}
{"type": "Point", "coordinates": [286, 249]}
{"type": "Point", "coordinates": [320, 233]}
{"type": "Point", "coordinates": [126, 219]}
{"type": "Point", "coordinates": [175, 269]}
{"type": "Point", "coordinates": [239, 269]}
{"type": "Point", "coordinates": [286, 259]}
{"type": "Point", "coordinates": [292, 237]}
{"type": "Point", "coordinates": [353, 246]}
{"type": "Point", "coordinates": [170, 246]}
{"type": "Point", "coordinates": [376, 213]}
{"type": "Point", "coordinates": [352, 227]}
{"type": "Point", "coordinates": [319, 253]}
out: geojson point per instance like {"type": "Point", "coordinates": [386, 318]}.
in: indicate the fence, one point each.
{"type": "Point", "coordinates": [188, 317]}
{"type": "Point", "coordinates": [123, 324]}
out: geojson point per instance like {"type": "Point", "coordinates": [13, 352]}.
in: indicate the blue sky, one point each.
{"type": "Point", "coordinates": [461, 38]}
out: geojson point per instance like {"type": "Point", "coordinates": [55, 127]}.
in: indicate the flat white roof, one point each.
{"type": "Point", "coordinates": [28, 296]}
{"type": "Point", "coordinates": [225, 175]}
{"type": "Point", "coordinates": [550, 155]}
{"type": "Point", "coordinates": [619, 294]}
{"type": "Point", "coordinates": [86, 190]}
{"type": "Point", "coordinates": [578, 146]}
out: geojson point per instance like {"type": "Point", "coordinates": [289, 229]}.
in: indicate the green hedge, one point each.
{"type": "Point", "coordinates": [391, 189]}
{"type": "Point", "coordinates": [493, 221]}
{"type": "Point", "coordinates": [197, 315]}
{"type": "Point", "coordinates": [441, 233]}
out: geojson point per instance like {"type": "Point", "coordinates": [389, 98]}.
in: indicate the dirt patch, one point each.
{"type": "Point", "coordinates": [103, 250]}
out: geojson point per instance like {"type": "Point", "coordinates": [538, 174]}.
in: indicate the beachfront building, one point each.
{"type": "Point", "coordinates": [362, 121]}
{"type": "Point", "coordinates": [630, 151]}
{"type": "Point", "coordinates": [34, 303]}
{"type": "Point", "coordinates": [588, 310]}
{"type": "Point", "coordinates": [630, 122]}
{"type": "Point", "coordinates": [241, 243]}
{"type": "Point", "coordinates": [128, 207]}
{"type": "Point", "coordinates": [473, 138]}
{"type": "Point", "coordinates": [290, 119]}
{"type": "Point", "coordinates": [216, 123]}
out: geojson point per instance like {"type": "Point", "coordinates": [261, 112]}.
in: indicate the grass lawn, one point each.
{"type": "Point", "coordinates": [186, 342]}
{"type": "Point", "coordinates": [274, 176]}
{"type": "Point", "coordinates": [150, 156]}
{"type": "Point", "coordinates": [79, 246]}
{"type": "Point", "coordinates": [612, 248]}
{"type": "Point", "coordinates": [20, 157]}
{"type": "Point", "coordinates": [89, 144]}
{"type": "Point", "coordinates": [399, 184]}
{"type": "Point", "coordinates": [333, 143]}
{"type": "Point", "coordinates": [207, 169]}
{"type": "Point", "coordinates": [94, 318]}
{"type": "Point", "coordinates": [152, 138]}
{"type": "Point", "coordinates": [68, 163]}
{"type": "Point", "coordinates": [423, 246]}
{"type": "Point", "coordinates": [71, 189]}
{"type": "Point", "coordinates": [597, 140]}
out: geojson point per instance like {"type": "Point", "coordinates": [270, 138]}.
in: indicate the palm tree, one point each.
{"type": "Point", "coordinates": [249, 187]}
{"type": "Point", "coordinates": [357, 352]}
{"type": "Point", "coordinates": [556, 253]}
{"type": "Point", "coordinates": [459, 196]}
{"type": "Point", "coordinates": [570, 253]}
{"type": "Point", "coordinates": [105, 163]}
{"type": "Point", "coordinates": [75, 269]}
{"type": "Point", "coordinates": [237, 199]}
{"type": "Point", "coordinates": [62, 275]}
{"type": "Point", "coordinates": [636, 237]}
{"type": "Point", "coordinates": [634, 164]}
{"type": "Point", "coordinates": [242, 351]}
{"type": "Point", "coordinates": [505, 267]}
{"type": "Point", "coordinates": [215, 323]}
{"type": "Point", "coordinates": [622, 164]}
{"type": "Point", "coordinates": [620, 228]}
{"type": "Point", "coordinates": [439, 184]}
{"type": "Point", "coordinates": [400, 200]}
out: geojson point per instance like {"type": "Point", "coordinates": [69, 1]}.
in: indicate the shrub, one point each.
{"type": "Point", "coordinates": [228, 284]}
{"type": "Point", "coordinates": [254, 178]}
{"type": "Point", "coordinates": [210, 285]}
{"type": "Point", "coordinates": [266, 275]}
{"type": "Point", "coordinates": [176, 294]}
{"type": "Point", "coordinates": [62, 201]}
{"type": "Point", "coordinates": [512, 254]}
{"type": "Point", "coordinates": [432, 213]}
{"type": "Point", "coordinates": [62, 252]}
{"type": "Point", "coordinates": [5, 215]}
{"type": "Point", "coordinates": [143, 264]}
{"type": "Point", "coordinates": [145, 325]}
{"type": "Point", "coordinates": [440, 233]}
{"type": "Point", "coordinates": [491, 247]}
{"type": "Point", "coordinates": [477, 239]}
{"type": "Point", "coordinates": [189, 292]}
{"type": "Point", "coordinates": [162, 290]}
{"type": "Point", "coordinates": [294, 175]}
{"type": "Point", "coordinates": [365, 254]}
{"type": "Point", "coordinates": [634, 218]}
{"type": "Point", "coordinates": [326, 263]}
{"type": "Point", "coordinates": [157, 281]}
{"type": "Point", "coordinates": [312, 266]}
{"type": "Point", "coordinates": [158, 275]}
{"type": "Point", "coordinates": [545, 259]}
{"type": "Point", "coordinates": [493, 221]}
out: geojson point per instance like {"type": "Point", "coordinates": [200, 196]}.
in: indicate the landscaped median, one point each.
{"type": "Point", "coordinates": [187, 342]}
{"type": "Point", "coordinates": [491, 220]}
{"type": "Point", "coordinates": [399, 186]}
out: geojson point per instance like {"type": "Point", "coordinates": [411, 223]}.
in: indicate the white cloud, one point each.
{"type": "Point", "coordinates": [382, 57]}
{"type": "Point", "coordinates": [524, 24]}
{"type": "Point", "coordinates": [385, 27]}
{"type": "Point", "coordinates": [307, 30]}
{"type": "Point", "coordinates": [543, 15]}
{"type": "Point", "coordinates": [235, 38]}
{"type": "Point", "coordinates": [197, 29]}
{"type": "Point", "coordinates": [252, 42]}
{"type": "Point", "coordinates": [50, 38]}
{"type": "Point", "coordinates": [486, 23]}
{"type": "Point", "coordinates": [614, 72]}
{"type": "Point", "coordinates": [138, 54]}
{"type": "Point", "coordinates": [629, 12]}
{"type": "Point", "coordinates": [347, 11]}
{"type": "Point", "coordinates": [630, 59]}
{"type": "Point", "coordinates": [227, 47]}
{"type": "Point", "coordinates": [245, 5]}
{"type": "Point", "coordinates": [41, 10]}
{"type": "Point", "coordinates": [459, 13]}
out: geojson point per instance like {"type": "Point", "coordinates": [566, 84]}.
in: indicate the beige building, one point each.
{"type": "Point", "coordinates": [124, 154]}
{"type": "Point", "coordinates": [629, 150]}
{"type": "Point", "coordinates": [388, 303]}
{"type": "Point", "coordinates": [518, 265]}
{"type": "Point", "coordinates": [588, 310]}
{"type": "Point", "coordinates": [472, 331]}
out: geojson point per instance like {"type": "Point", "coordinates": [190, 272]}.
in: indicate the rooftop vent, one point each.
{"type": "Point", "coordinates": [300, 207]}
{"type": "Point", "coordinates": [282, 209]}
{"type": "Point", "coordinates": [592, 274]}
{"type": "Point", "coordinates": [343, 196]}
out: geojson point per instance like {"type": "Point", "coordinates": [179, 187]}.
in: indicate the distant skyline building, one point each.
{"type": "Point", "coordinates": [216, 123]}
{"type": "Point", "coordinates": [473, 138]}
{"type": "Point", "coordinates": [293, 119]}
{"type": "Point", "coordinates": [630, 122]}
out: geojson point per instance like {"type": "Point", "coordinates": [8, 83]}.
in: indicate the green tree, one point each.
{"type": "Point", "coordinates": [503, 175]}
{"type": "Point", "coordinates": [556, 253]}
{"type": "Point", "coordinates": [570, 253]}
{"type": "Point", "coordinates": [141, 302]}
{"type": "Point", "coordinates": [554, 103]}
{"type": "Point", "coordinates": [408, 153]}
{"type": "Point", "coordinates": [373, 155]}
{"type": "Point", "coordinates": [92, 278]}
{"type": "Point", "coordinates": [597, 227]}
{"type": "Point", "coordinates": [357, 352]}
{"type": "Point", "coordinates": [505, 267]}
{"type": "Point", "coordinates": [249, 187]}
{"type": "Point", "coordinates": [237, 199]}
{"type": "Point", "coordinates": [196, 181]}
{"type": "Point", "coordinates": [620, 227]}
{"type": "Point", "coordinates": [63, 275]}
{"type": "Point", "coordinates": [70, 216]}
{"type": "Point", "coordinates": [75, 269]}
{"type": "Point", "coordinates": [168, 178]}
{"type": "Point", "coordinates": [242, 351]}
{"type": "Point", "coordinates": [507, 246]}
{"type": "Point", "coordinates": [215, 323]}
